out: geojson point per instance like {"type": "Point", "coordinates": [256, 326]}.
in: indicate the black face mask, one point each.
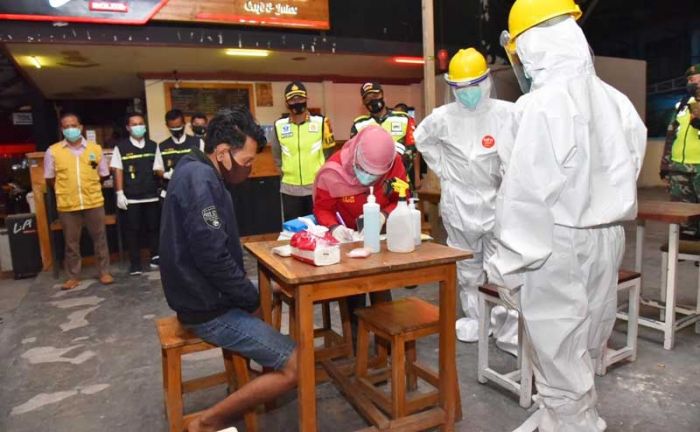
{"type": "Point", "coordinates": [692, 89]}
{"type": "Point", "coordinates": [297, 108]}
{"type": "Point", "coordinates": [695, 123]}
{"type": "Point", "coordinates": [199, 130]}
{"type": "Point", "coordinates": [177, 132]}
{"type": "Point", "coordinates": [237, 174]}
{"type": "Point", "coordinates": [375, 105]}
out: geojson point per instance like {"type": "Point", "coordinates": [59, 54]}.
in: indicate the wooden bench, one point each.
{"type": "Point", "coordinates": [688, 251]}
{"type": "Point", "coordinates": [519, 381]}
{"type": "Point", "coordinates": [176, 341]}
{"type": "Point", "coordinates": [400, 323]}
{"type": "Point", "coordinates": [630, 282]}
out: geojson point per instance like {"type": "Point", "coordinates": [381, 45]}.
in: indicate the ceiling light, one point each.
{"type": "Point", "coordinates": [409, 60]}
{"type": "Point", "coordinates": [240, 52]}
{"type": "Point", "coordinates": [35, 61]}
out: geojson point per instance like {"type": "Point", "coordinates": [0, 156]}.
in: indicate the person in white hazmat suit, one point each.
{"type": "Point", "coordinates": [460, 142]}
{"type": "Point", "coordinates": [571, 180]}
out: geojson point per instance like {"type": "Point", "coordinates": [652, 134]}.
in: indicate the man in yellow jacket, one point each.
{"type": "Point", "coordinates": [75, 169]}
{"type": "Point", "coordinates": [300, 145]}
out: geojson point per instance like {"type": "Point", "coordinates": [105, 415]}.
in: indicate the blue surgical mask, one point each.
{"type": "Point", "coordinates": [138, 131]}
{"type": "Point", "coordinates": [364, 177]}
{"type": "Point", "coordinates": [469, 97]}
{"type": "Point", "coordinates": [72, 134]}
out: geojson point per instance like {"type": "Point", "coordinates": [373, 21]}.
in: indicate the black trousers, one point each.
{"type": "Point", "coordinates": [296, 206]}
{"type": "Point", "coordinates": [143, 217]}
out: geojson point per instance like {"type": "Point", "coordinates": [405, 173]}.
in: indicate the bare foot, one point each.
{"type": "Point", "coordinates": [196, 425]}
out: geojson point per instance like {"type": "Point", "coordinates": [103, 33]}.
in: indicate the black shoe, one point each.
{"type": "Point", "coordinates": [135, 270]}
{"type": "Point", "coordinates": [155, 263]}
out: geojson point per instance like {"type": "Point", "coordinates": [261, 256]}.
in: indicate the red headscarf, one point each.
{"type": "Point", "coordinates": [376, 155]}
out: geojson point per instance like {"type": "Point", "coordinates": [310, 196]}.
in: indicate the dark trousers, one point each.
{"type": "Point", "coordinates": [140, 218]}
{"type": "Point", "coordinates": [296, 206]}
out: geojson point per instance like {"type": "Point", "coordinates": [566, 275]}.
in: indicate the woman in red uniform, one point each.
{"type": "Point", "coordinates": [342, 187]}
{"type": "Point", "coordinates": [342, 184]}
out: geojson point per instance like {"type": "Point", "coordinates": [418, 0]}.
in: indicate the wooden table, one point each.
{"type": "Point", "coordinates": [430, 262]}
{"type": "Point", "coordinates": [674, 214]}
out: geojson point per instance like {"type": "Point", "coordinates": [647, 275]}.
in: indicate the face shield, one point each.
{"type": "Point", "coordinates": [509, 45]}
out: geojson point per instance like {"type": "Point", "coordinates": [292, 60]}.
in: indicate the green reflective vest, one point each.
{"type": "Point", "coordinates": [301, 149]}
{"type": "Point", "coordinates": [686, 147]}
{"type": "Point", "coordinates": [396, 123]}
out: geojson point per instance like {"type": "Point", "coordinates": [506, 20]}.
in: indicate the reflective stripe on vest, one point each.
{"type": "Point", "coordinates": [397, 126]}
{"type": "Point", "coordinates": [686, 147]}
{"type": "Point", "coordinates": [301, 150]}
{"type": "Point", "coordinates": [78, 185]}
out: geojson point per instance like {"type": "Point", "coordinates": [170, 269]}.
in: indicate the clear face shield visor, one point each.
{"type": "Point", "coordinates": [508, 45]}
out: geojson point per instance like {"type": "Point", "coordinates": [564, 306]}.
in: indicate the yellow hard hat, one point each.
{"type": "Point", "coordinates": [466, 67]}
{"type": "Point", "coordinates": [526, 14]}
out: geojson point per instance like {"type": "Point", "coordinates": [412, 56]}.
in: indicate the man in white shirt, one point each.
{"type": "Point", "coordinates": [136, 186]}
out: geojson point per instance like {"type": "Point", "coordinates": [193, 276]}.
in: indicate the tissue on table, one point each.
{"type": "Point", "coordinates": [315, 246]}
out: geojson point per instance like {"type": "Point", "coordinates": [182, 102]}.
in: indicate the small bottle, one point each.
{"type": "Point", "coordinates": [399, 224]}
{"type": "Point", "coordinates": [371, 220]}
{"type": "Point", "coordinates": [417, 219]}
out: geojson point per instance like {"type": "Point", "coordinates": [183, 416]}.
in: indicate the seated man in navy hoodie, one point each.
{"type": "Point", "coordinates": [201, 264]}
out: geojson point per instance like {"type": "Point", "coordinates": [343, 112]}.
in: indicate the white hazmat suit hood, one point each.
{"type": "Point", "coordinates": [570, 180]}
{"type": "Point", "coordinates": [461, 146]}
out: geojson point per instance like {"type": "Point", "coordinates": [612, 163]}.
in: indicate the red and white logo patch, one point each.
{"type": "Point", "coordinates": [488, 141]}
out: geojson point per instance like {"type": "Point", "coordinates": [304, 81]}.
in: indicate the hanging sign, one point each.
{"type": "Point", "coordinates": [94, 11]}
{"type": "Point", "coordinates": [303, 14]}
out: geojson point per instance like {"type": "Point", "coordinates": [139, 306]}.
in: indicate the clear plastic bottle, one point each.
{"type": "Point", "coordinates": [399, 224]}
{"type": "Point", "coordinates": [371, 220]}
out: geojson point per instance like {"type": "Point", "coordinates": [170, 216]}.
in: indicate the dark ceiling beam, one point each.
{"type": "Point", "coordinates": [191, 36]}
{"type": "Point", "coordinates": [233, 76]}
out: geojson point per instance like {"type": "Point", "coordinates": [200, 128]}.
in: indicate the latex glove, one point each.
{"type": "Point", "coordinates": [168, 174]}
{"type": "Point", "coordinates": [122, 202]}
{"type": "Point", "coordinates": [343, 234]}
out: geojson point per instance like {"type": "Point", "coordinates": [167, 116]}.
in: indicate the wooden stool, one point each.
{"type": "Point", "coordinates": [176, 341]}
{"type": "Point", "coordinates": [400, 323]}
{"type": "Point", "coordinates": [518, 381]}
{"type": "Point", "coordinates": [688, 251]}
{"type": "Point", "coordinates": [632, 283]}
{"type": "Point", "coordinates": [335, 345]}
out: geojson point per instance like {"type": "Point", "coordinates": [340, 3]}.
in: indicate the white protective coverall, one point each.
{"type": "Point", "coordinates": [462, 147]}
{"type": "Point", "coordinates": [571, 180]}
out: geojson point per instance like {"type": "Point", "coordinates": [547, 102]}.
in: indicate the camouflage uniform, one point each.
{"type": "Point", "coordinates": [684, 178]}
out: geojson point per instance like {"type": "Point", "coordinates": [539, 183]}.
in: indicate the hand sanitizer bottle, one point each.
{"type": "Point", "coordinates": [372, 227]}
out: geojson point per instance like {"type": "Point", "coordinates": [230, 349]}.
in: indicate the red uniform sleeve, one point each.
{"type": "Point", "coordinates": [410, 140]}
{"type": "Point", "coordinates": [399, 171]}
{"type": "Point", "coordinates": [325, 208]}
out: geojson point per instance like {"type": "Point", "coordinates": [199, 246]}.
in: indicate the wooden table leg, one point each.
{"type": "Point", "coordinates": [265, 287]}
{"type": "Point", "coordinates": [306, 362]}
{"type": "Point", "coordinates": [448, 351]}
{"type": "Point", "coordinates": [670, 320]}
